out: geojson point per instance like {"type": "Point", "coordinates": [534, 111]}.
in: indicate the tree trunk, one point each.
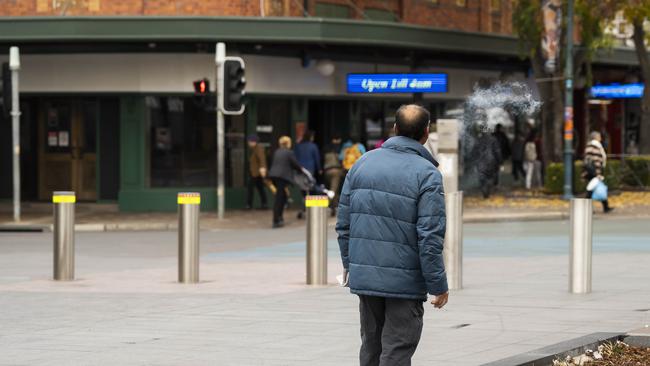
{"type": "Point", "coordinates": [644, 63]}
{"type": "Point", "coordinates": [552, 113]}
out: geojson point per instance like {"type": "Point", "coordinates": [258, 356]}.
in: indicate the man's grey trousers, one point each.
{"type": "Point", "coordinates": [390, 330]}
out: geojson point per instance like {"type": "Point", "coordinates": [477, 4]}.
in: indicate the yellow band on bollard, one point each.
{"type": "Point", "coordinates": [317, 201]}
{"type": "Point", "coordinates": [189, 199]}
{"type": "Point", "coordinates": [64, 199]}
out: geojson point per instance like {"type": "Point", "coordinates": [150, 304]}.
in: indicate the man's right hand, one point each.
{"type": "Point", "coordinates": [440, 300]}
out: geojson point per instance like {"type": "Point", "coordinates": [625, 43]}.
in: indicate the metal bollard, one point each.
{"type": "Point", "coordinates": [64, 235]}
{"type": "Point", "coordinates": [580, 256]}
{"type": "Point", "coordinates": [453, 251]}
{"type": "Point", "coordinates": [188, 237]}
{"type": "Point", "coordinates": [317, 239]}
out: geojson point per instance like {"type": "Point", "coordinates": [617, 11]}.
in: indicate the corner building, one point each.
{"type": "Point", "coordinates": [107, 99]}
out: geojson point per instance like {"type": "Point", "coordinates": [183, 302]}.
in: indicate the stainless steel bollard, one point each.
{"type": "Point", "coordinates": [453, 252]}
{"type": "Point", "coordinates": [188, 237]}
{"type": "Point", "coordinates": [580, 256]}
{"type": "Point", "coordinates": [64, 235]}
{"type": "Point", "coordinates": [317, 211]}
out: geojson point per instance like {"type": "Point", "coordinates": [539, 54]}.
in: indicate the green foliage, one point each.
{"type": "Point", "coordinates": [633, 172]}
{"type": "Point", "coordinates": [633, 10]}
{"type": "Point", "coordinates": [527, 23]}
{"type": "Point", "coordinates": [636, 172]}
{"type": "Point", "coordinates": [554, 178]}
{"type": "Point", "coordinates": [591, 18]}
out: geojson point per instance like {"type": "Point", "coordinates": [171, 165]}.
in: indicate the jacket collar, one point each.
{"type": "Point", "coordinates": [410, 146]}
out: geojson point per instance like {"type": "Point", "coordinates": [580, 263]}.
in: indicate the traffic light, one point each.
{"type": "Point", "coordinates": [201, 93]}
{"type": "Point", "coordinates": [234, 84]}
{"type": "Point", "coordinates": [202, 87]}
{"type": "Point", "coordinates": [6, 89]}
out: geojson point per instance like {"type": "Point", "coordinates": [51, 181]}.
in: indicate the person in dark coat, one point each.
{"type": "Point", "coordinates": [257, 171]}
{"type": "Point", "coordinates": [518, 147]}
{"type": "Point", "coordinates": [504, 143]}
{"type": "Point", "coordinates": [391, 228]}
{"type": "Point", "coordinates": [307, 153]}
{"type": "Point", "coordinates": [486, 157]}
{"type": "Point", "coordinates": [308, 156]}
{"type": "Point", "coordinates": [282, 170]}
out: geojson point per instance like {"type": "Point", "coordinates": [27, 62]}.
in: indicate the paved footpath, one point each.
{"type": "Point", "coordinates": [252, 307]}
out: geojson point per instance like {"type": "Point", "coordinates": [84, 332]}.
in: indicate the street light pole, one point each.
{"type": "Point", "coordinates": [14, 66]}
{"type": "Point", "coordinates": [220, 58]}
{"type": "Point", "coordinates": [568, 106]}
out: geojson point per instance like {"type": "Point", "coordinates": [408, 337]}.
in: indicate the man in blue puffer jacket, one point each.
{"type": "Point", "coordinates": [391, 227]}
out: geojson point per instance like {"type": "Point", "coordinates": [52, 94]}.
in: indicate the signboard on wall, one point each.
{"type": "Point", "coordinates": [617, 91]}
{"type": "Point", "coordinates": [397, 83]}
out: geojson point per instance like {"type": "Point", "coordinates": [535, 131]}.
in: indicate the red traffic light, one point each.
{"type": "Point", "coordinates": [201, 86]}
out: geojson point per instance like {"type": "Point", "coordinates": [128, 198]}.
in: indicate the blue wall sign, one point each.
{"type": "Point", "coordinates": [397, 83]}
{"type": "Point", "coordinates": [617, 91]}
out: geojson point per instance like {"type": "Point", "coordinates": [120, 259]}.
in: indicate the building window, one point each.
{"type": "Point", "coordinates": [495, 5]}
{"type": "Point", "coordinates": [182, 144]}
{"type": "Point", "coordinates": [380, 15]}
{"type": "Point", "coordinates": [461, 3]}
{"type": "Point", "coordinates": [327, 10]}
{"type": "Point", "coordinates": [433, 2]}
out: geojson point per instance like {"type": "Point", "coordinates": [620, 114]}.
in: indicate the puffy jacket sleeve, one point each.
{"type": "Point", "coordinates": [431, 223]}
{"type": "Point", "coordinates": [343, 222]}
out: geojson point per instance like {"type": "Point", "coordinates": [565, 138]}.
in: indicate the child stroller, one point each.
{"type": "Point", "coordinates": [309, 186]}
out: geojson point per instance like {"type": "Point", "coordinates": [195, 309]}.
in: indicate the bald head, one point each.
{"type": "Point", "coordinates": [412, 121]}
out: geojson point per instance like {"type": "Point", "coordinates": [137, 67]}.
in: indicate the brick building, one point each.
{"type": "Point", "coordinates": [107, 85]}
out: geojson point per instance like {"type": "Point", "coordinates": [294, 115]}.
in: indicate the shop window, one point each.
{"type": "Point", "coordinates": [495, 5]}
{"type": "Point", "coordinates": [496, 23]}
{"type": "Point", "coordinates": [275, 8]}
{"type": "Point", "coordinates": [380, 15]}
{"type": "Point", "coordinates": [327, 10]}
{"type": "Point", "coordinates": [461, 3]}
{"type": "Point", "coordinates": [183, 144]}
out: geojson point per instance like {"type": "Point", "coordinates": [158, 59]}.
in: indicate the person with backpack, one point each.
{"type": "Point", "coordinates": [594, 164]}
{"type": "Point", "coordinates": [350, 153]}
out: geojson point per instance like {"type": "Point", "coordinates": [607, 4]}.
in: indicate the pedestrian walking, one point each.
{"type": "Point", "coordinates": [594, 164]}
{"type": "Point", "coordinates": [333, 170]}
{"type": "Point", "coordinates": [257, 172]}
{"type": "Point", "coordinates": [391, 228]}
{"type": "Point", "coordinates": [531, 164]}
{"type": "Point", "coordinates": [308, 156]}
{"type": "Point", "coordinates": [504, 143]}
{"type": "Point", "coordinates": [518, 145]}
{"type": "Point", "coordinates": [283, 166]}
{"type": "Point", "coordinates": [486, 156]}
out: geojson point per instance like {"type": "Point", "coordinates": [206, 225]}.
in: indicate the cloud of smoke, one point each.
{"type": "Point", "coordinates": [487, 107]}
{"type": "Point", "coordinates": [502, 103]}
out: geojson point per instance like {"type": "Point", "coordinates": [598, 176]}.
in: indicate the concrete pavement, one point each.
{"type": "Point", "coordinates": [253, 309]}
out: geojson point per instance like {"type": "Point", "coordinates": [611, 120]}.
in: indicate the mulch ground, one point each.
{"type": "Point", "coordinates": [621, 354]}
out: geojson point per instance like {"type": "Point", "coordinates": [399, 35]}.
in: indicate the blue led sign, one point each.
{"type": "Point", "coordinates": [397, 83]}
{"type": "Point", "coordinates": [617, 91]}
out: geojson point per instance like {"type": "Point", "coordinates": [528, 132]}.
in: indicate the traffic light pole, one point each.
{"type": "Point", "coordinates": [220, 59]}
{"type": "Point", "coordinates": [14, 66]}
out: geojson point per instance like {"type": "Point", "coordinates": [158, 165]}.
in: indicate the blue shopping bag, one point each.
{"type": "Point", "coordinates": [600, 192]}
